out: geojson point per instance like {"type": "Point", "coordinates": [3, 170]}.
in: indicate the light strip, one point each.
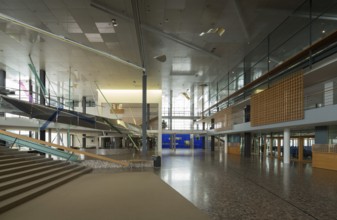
{"type": "Point", "coordinates": [64, 39]}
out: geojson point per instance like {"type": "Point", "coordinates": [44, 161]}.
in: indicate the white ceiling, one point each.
{"type": "Point", "coordinates": [169, 27]}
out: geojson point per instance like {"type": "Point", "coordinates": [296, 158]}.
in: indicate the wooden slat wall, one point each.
{"type": "Point", "coordinates": [234, 148]}
{"type": "Point", "coordinates": [223, 120]}
{"type": "Point", "coordinates": [324, 160]}
{"type": "Point", "coordinates": [280, 103]}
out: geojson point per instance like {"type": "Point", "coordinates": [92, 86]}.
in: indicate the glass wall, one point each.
{"type": "Point", "coordinates": [312, 21]}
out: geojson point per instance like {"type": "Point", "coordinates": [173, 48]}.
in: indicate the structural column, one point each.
{"type": "Point", "coordinates": [286, 146]}
{"type": "Point", "coordinates": [84, 104]}
{"type": "Point", "coordinates": [170, 109]}
{"type": "Point", "coordinates": [248, 145]}
{"type": "Point", "coordinates": [84, 110]}
{"type": "Point", "coordinates": [212, 142]}
{"type": "Point", "coordinates": [278, 148]}
{"type": "Point", "coordinates": [226, 143]}
{"type": "Point", "coordinates": [2, 86]}
{"type": "Point", "coordinates": [42, 99]}
{"type": "Point", "coordinates": [300, 148]}
{"type": "Point", "coordinates": [144, 115]}
{"type": "Point", "coordinates": [160, 129]}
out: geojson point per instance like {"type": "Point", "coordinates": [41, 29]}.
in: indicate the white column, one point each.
{"type": "Point", "coordinates": [160, 130]}
{"type": "Point", "coordinates": [192, 141]}
{"type": "Point", "coordinates": [226, 143]}
{"type": "Point", "coordinates": [286, 146]}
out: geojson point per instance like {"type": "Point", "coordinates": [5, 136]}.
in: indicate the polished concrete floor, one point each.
{"type": "Point", "coordinates": [233, 187]}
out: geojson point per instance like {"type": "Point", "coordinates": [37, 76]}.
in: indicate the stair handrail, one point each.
{"type": "Point", "coordinates": [75, 151]}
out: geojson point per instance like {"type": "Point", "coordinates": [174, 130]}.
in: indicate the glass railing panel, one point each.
{"type": "Point", "coordinates": [255, 57]}
{"type": "Point", "coordinates": [259, 69]}
{"type": "Point", "coordinates": [295, 22]}
{"type": "Point", "coordinates": [223, 94]}
{"type": "Point", "coordinates": [324, 24]}
{"type": "Point", "coordinates": [291, 47]}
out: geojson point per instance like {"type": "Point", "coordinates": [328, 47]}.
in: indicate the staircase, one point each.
{"type": "Point", "coordinates": [24, 176]}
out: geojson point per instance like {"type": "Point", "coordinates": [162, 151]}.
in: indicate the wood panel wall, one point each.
{"type": "Point", "coordinates": [283, 101]}
{"type": "Point", "coordinates": [324, 160]}
{"type": "Point", "coordinates": [234, 148]}
{"type": "Point", "coordinates": [223, 120]}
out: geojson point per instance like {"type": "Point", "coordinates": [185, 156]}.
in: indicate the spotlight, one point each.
{"type": "Point", "coordinates": [114, 22]}
{"type": "Point", "coordinates": [161, 58]}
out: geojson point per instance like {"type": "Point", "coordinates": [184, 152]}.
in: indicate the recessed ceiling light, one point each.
{"type": "Point", "coordinates": [92, 37]}
{"type": "Point", "coordinates": [73, 28]}
{"type": "Point", "coordinates": [105, 27]}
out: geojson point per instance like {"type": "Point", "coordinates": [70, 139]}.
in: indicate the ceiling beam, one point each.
{"type": "Point", "coordinates": [153, 29]}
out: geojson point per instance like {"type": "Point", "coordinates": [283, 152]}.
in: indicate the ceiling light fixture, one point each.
{"type": "Point", "coordinates": [219, 30]}
{"type": "Point", "coordinates": [114, 22]}
{"type": "Point", "coordinates": [160, 58]}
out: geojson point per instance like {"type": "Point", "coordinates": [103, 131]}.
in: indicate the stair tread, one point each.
{"type": "Point", "coordinates": [40, 190]}
{"type": "Point", "coordinates": [35, 170]}
{"type": "Point", "coordinates": [26, 178]}
{"type": "Point", "coordinates": [14, 169]}
{"type": "Point", "coordinates": [23, 162]}
{"type": "Point", "coordinates": [15, 159]}
{"type": "Point", "coordinates": [32, 183]}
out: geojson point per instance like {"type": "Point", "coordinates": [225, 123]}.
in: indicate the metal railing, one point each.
{"type": "Point", "coordinates": [325, 148]}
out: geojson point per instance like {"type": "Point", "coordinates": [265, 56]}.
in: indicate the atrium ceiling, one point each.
{"type": "Point", "coordinates": [174, 31]}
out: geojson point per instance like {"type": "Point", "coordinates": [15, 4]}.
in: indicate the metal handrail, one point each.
{"type": "Point", "coordinates": [73, 151]}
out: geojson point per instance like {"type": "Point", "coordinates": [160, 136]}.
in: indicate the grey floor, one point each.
{"type": "Point", "coordinates": [217, 185]}
{"type": "Point", "coordinates": [232, 187]}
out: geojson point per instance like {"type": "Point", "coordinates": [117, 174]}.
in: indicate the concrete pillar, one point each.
{"type": "Point", "coordinates": [226, 143]}
{"type": "Point", "coordinates": [278, 148]}
{"type": "Point", "coordinates": [212, 142]}
{"type": "Point", "coordinates": [300, 148]}
{"type": "Point", "coordinates": [42, 99]}
{"type": "Point", "coordinates": [170, 110]}
{"type": "Point", "coordinates": [160, 130]}
{"type": "Point", "coordinates": [30, 91]}
{"type": "Point", "coordinates": [84, 140]}
{"type": "Point", "coordinates": [248, 145]}
{"type": "Point", "coordinates": [43, 87]}
{"type": "Point", "coordinates": [321, 135]}
{"type": "Point", "coordinates": [192, 141]}
{"type": "Point", "coordinates": [84, 104]}
{"type": "Point", "coordinates": [148, 116]}
{"type": "Point", "coordinates": [2, 81]}
{"type": "Point", "coordinates": [286, 146]}
{"type": "Point", "coordinates": [2, 86]}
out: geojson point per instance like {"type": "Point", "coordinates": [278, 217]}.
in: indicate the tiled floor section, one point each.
{"type": "Point", "coordinates": [233, 187]}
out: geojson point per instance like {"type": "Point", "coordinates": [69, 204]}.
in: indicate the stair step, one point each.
{"type": "Point", "coordinates": [26, 167]}
{"type": "Point", "coordinates": [23, 173]}
{"type": "Point", "coordinates": [28, 186]}
{"type": "Point", "coordinates": [6, 157]}
{"type": "Point", "coordinates": [23, 197]}
{"type": "Point", "coordinates": [13, 152]}
{"type": "Point", "coordinates": [22, 163]}
{"type": "Point", "coordinates": [20, 155]}
{"type": "Point", "coordinates": [18, 159]}
{"type": "Point", "coordinates": [34, 176]}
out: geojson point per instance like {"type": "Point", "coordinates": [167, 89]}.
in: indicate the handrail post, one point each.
{"type": "Point", "coordinates": [72, 153]}
{"type": "Point", "coordinates": [13, 143]}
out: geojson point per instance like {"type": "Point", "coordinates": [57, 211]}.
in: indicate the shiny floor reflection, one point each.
{"type": "Point", "coordinates": [233, 187]}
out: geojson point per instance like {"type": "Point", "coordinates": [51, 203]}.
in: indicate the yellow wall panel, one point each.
{"type": "Point", "coordinates": [282, 102]}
